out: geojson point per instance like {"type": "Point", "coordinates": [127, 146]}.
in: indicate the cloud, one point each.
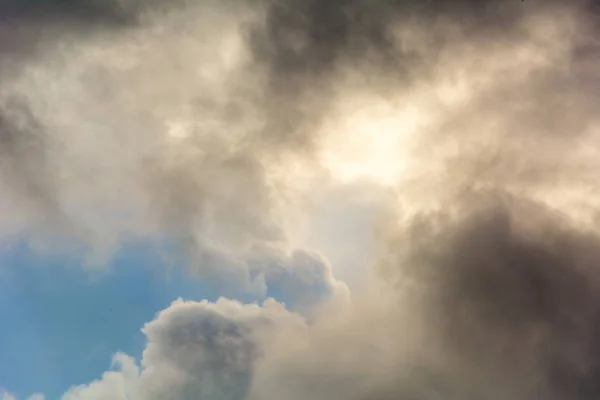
{"type": "Point", "coordinates": [497, 299]}
{"type": "Point", "coordinates": [207, 153]}
{"type": "Point", "coordinates": [118, 384]}
{"type": "Point", "coordinates": [57, 140]}
{"type": "Point", "coordinates": [510, 285]}
{"type": "Point", "coordinates": [195, 349]}
{"type": "Point", "coordinates": [7, 396]}
{"type": "Point", "coordinates": [4, 395]}
{"type": "Point", "coordinates": [488, 271]}
{"type": "Point", "coordinates": [108, 152]}
{"type": "Point", "coordinates": [302, 279]}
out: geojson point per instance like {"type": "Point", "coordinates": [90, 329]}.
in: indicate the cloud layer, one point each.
{"type": "Point", "coordinates": [207, 123]}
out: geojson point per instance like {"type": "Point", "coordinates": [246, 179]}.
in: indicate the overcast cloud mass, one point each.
{"type": "Point", "coordinates": [470, 129]}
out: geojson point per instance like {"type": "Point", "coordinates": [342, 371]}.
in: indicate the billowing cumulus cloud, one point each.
{"type": "Point", "coordinates": [209, 122]}
{"type": "Point", "coordinates": [195, 350]}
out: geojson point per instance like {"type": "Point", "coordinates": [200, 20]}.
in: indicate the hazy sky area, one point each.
{"type": "Point", "coordinates": [299, 199]}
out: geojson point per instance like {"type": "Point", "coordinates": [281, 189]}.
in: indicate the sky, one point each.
{"type": "Point", "coordinates": [293, 199]}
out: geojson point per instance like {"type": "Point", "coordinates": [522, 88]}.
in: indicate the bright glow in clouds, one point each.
{"type": "Point", "coordinates": [370, 139]}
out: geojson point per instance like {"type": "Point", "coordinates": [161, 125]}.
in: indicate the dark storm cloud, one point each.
{"type": "Point", "coordinates": [29, 27]}
{"type": "Point", "coordinates": [308, 37]}
{"type": "Point", "coordinates": [22, 147]}
{"type": "Point", "coordinates": [24, 160]}
{"type": "Point", "coordinates": [85, 11]}
{"type": "Point", "coordinates": [512, 287]}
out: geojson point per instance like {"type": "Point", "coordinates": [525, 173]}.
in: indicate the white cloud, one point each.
{"type": "Point", "coordinates": [4, 395]}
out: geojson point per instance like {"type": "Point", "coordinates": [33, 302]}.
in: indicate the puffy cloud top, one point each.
{"type": "Point", "coordinates": [195, 350]}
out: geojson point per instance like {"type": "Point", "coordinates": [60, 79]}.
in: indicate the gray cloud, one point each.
{"type": "Point", "coordinates": [215, 346]}
{"type": "Point", "coordinates": [83, 10]}
{"type": "Point", "coordinates": [194, 350]}
{"type": "Point", "coordinates": [511, 286]}
{"type": "Point", "coordinates": [306, 38]}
